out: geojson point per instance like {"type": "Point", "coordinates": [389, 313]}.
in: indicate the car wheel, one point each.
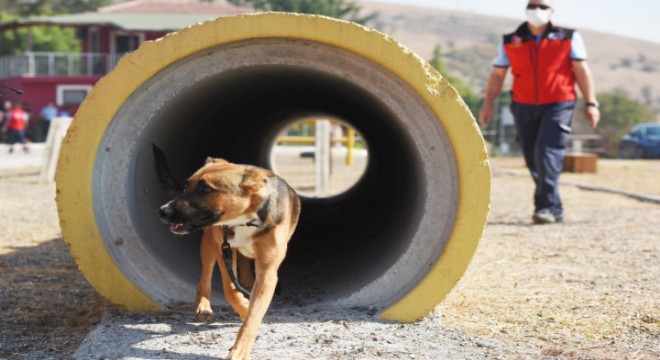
{"type": "Point", "coordinates": [623, 152]}
{"type": "Point", "coordinates": [630, 151]}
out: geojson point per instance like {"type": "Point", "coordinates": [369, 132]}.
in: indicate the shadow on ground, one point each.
{"type": "Point", "coordinates": [46, 306]}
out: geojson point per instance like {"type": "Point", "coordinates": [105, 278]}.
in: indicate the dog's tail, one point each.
{"type": "Point", "coordinates": [169, 183]}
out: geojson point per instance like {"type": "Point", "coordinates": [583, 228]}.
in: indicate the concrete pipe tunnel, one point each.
{"type": "Point", "coordinates": [397, 241]}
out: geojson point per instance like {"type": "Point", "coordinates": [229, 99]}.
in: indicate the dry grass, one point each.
{"type": "Point", "coordinates": [585, 289]}
{"type": "Point", "coordinates": [46, 306]}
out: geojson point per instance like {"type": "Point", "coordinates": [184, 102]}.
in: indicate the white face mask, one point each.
{"type": "Point", "coordinates": [538, 17]}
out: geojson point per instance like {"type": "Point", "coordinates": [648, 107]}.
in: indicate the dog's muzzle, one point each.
{"type": "Point", "coordinates": [169, 214]}
{"type": "Point", "coordinates": [166, 212]}
{"type": "Point", "coordinates": [182, 223]}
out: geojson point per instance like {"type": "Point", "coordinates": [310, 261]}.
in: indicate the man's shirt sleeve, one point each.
{"type": "Point", "coordinates": [578, 50]}
{"type": "Point", "coordinates": [501, 59]}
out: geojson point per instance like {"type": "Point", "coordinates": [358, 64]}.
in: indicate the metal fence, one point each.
{"type": "Point", "coordinates": [32, 64]}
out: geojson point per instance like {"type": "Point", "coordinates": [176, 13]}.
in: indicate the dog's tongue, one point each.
{"type": "Point", "coordinates": [176, 227]}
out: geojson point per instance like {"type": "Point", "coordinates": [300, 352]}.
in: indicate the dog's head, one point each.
{"type": "Point", "coordinates": [220, 193]}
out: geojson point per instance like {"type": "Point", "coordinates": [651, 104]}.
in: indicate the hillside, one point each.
{"type": "Point", "coordinates": [469, 43]}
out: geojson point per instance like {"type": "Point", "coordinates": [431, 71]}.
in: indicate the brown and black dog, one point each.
{"type": "Point", "coordinates": [253, 210]}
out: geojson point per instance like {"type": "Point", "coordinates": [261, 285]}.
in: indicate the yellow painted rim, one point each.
{"type": "Point", "coordinates": [78, 155]}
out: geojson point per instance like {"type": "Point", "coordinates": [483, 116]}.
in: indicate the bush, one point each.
{"type": "Point", "coordinates": [618, 114]}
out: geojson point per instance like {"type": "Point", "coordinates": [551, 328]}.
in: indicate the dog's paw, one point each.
{"type": "Point", "coordinates": [238, 354]}
{"type": "Point", "coordinates": [204, 316]}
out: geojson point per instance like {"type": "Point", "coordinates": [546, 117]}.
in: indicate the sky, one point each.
{"type": "Point", "coordinates": [631, 18]}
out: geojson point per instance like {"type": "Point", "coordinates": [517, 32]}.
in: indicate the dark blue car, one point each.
{"type": "Point", "coordinates": [643, 141]}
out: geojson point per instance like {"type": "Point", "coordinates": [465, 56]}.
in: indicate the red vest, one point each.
{"type": "Point", "coordinates": [542, 72]}
{"type": "Point", "coordinates": [17, 119]}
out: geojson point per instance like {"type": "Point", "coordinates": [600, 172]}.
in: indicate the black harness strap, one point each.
{"type": "Point", "coordinates": [228, 260]}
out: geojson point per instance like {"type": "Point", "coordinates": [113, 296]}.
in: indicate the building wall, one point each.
{"type": "Point", "coordinates": [8, 94]}
{"type": "Point", "coordinates": [38, 91]}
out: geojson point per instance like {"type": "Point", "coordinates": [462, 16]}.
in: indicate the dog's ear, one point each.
{"type": "Point", "coordinates": [254, 180]}
{"type": "Point", "coordinates": [167, 181]}
{"type": "Point", "coordinates": [218, 161]}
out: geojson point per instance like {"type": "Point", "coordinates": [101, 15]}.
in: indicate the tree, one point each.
{"type": "Point", "coordinates": [618, 114]}
{"type": "Point", "coordinates": [22, 8]}
{"type": "Point", "coordinates": [339, 9]}
{"type": "Point", "coordinates": [464, 90]}
{"type": "Point", "coordinates": [44, 38]}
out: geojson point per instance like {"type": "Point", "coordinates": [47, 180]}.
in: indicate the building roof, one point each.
{"type": "Point", "coordinates": [173, 7]}
{"type": "Point", "coordinates": [137, 16]}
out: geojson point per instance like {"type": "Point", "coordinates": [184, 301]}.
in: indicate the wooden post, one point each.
{"type": "Point", "coordinates": [322, 158]}
{"type": "Point", "coordinates": [350, 144]}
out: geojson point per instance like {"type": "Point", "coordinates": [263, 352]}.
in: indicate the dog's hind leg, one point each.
{"type": "Point", "coordinates": [209, 251]}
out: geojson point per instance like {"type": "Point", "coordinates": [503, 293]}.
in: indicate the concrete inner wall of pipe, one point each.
{"type": "Point", "coordinates": [365, 247]}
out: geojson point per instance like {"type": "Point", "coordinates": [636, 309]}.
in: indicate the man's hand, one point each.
{"type": "Point", "coordinates": [493, 88]}
{"type": "Point", "coordinates": [593, 115]}
{"type": "Point", "coordinates": [485, 116]}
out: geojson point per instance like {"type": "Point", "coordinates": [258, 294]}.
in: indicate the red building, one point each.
{"type": "Point", "coordinates": [105, 36]}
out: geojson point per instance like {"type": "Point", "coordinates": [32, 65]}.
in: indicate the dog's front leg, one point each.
{"type": "Point", "coordinates": [262, 295]}
{"type": "Point", "coordinates": [234, 297]}
{"type": "Point", "coordinates": [209, 254]}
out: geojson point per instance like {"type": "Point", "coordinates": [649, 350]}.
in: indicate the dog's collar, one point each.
{"type": "Point", "coordinates": [255, 222]}
{"type": "Point", "coordinates": [262, 216]}
{"type": "Point", "coordinates": [227, 257]}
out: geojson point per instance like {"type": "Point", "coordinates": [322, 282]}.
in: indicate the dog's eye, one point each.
{"type": "Point", "coordinates": [203, 188]}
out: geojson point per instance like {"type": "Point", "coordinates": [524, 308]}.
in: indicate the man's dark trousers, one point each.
{"type": "Point", "coordinates": [543, 133]}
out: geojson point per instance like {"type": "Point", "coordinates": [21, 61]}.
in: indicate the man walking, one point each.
{"type": "Point", "coordinates": [546, 61]}
{"type": "Point", "coordinates": [15, 126]}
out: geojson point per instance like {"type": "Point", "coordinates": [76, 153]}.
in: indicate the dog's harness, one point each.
{"type": "Point", "coordinates": [227, 258]}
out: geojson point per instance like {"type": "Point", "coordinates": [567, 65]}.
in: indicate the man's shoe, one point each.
{"type": "Point", "coordinates": [545, 216]}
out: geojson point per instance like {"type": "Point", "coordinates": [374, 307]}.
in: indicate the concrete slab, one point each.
{"type": "Point", "coordinates": [284, 335]}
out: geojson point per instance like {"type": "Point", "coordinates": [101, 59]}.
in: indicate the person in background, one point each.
{"type": "Point", "coordinates": [48, 113]}
{"type": "Point", "coordinates": [546, 62]}
{"type": "Point", "coordinates": [15, 126]}
{"type": "Point", "coordinates": [65, 111]}
{"type": "Point", "coordinates": [4, 114]}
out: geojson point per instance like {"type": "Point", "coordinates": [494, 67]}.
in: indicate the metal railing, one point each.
{"type": "Point", "coordinates": [31, 64]}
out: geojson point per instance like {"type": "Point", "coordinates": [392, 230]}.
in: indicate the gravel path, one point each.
{"type": "Point", "coordinates": [585, 289]}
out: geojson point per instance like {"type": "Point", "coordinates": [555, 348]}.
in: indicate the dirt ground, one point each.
{"type": "Point", "coordinates": [584, 289]}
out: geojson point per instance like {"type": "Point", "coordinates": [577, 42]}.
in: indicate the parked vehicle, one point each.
{"type": "Point", "coordinates": [643, 141]}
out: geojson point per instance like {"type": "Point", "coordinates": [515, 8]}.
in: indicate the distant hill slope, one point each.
{"type": "Point", "coordinates": [469, 43]}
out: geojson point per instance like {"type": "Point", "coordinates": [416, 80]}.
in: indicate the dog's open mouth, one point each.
{"type": "Point", "coordinates": [186, 228]}
{"type": "Point", "coordinates": [179, 228]}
